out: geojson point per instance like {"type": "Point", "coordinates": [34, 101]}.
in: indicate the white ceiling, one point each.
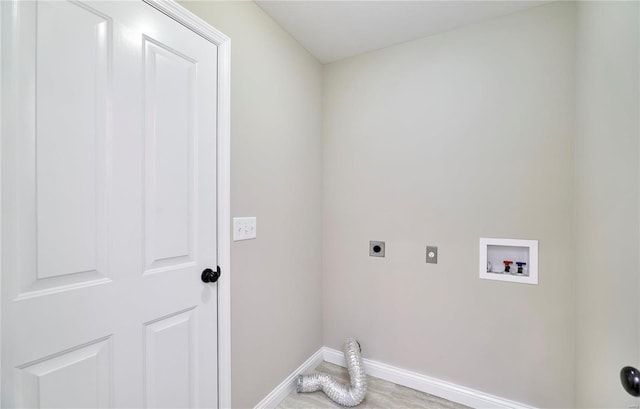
{"type": "Point", "coordinates": [332, 30]}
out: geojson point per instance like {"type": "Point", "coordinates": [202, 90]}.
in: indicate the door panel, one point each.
{"type": "Point", "coordinates": [60, 157]}
{"type": "Point", "coordinates": [78, 378]}
{"type": "Point", "coordinates": [71, 139]}
{"type": "Point", "coordinates": [170, 365]}
{"type": "Point", "coordinates": [170, 213]}
{"type": "Point", "coordinates": [108, 175]}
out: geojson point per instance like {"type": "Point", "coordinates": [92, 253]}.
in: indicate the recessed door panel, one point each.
{"type": "Point", "coordinates": [73, 60]}
{"type": "Point", "coordinates": [170, 100]}
{"type": "Point", "coordinates": [77, 378]}
{"type": "Point", "coordinates": [60, 158]}
{"type": "Point", "coordinates": [170, 361]}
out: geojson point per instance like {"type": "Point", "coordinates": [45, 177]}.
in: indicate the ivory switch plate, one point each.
{"type": "Point", "coordinates": [244, 228]}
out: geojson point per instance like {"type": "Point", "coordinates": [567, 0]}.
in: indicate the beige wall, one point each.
{"type": "Point", "coordinates": [607, 201]}
{"type": "Point", "coordinates": [442, 141]}
{"type": "Point", "coordinates": [276, 176]}
{"type": "Point", "coordinates": [500, 129]}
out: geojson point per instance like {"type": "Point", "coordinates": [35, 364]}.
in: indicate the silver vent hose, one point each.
{"type": "Point", "coordinates": [345, 395]}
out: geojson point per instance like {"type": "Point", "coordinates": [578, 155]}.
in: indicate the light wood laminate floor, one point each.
{"type": "Point", "coordinates": [380, 394]}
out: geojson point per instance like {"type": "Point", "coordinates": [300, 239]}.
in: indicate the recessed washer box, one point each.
{"type": "Point", "coordinates": [511, 260]}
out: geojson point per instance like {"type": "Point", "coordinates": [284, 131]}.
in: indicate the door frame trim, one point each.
{"type": "Point", "coordinates": [223, 148]}
{"type": "Point", "coordinates": [2, 96]}
{"type": "Point", "coordinates": [223, 43]}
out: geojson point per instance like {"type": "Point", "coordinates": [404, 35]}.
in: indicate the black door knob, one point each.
{"type": "Point", "coordinates": [210, 276]}
{"type": "Point", "coordinates": [630, 378]}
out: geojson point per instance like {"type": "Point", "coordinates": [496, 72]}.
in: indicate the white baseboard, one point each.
{"type": "Point", "coordinates": [423, 383]}
{"type": "Point", "coordinates": [289, 385]}
{"type": "Point", "coordinates": [413, 380]}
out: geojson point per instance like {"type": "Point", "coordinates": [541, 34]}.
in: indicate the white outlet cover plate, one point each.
{"type": "Point", "coordinates": [244, 228]}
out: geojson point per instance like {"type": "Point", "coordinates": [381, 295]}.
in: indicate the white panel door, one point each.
{"type": "Point", "coordinates": [108, 208]}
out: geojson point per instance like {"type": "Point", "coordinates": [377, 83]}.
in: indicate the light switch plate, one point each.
{"type": "Point", "coordinates": [244, 228]}
{"type": "Point", "coordinates": [432, 254]}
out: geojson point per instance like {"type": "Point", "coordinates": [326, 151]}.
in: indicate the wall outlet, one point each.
{"type": "Point", "coordinates": [432, 254]}
{"type": "Point", "coordinates": [376, 248]}
{"type": "Point", "coordinates": [244, 228]}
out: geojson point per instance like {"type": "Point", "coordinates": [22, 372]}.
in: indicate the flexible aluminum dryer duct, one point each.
{"type": "Point", "coordinates": [345, 395]}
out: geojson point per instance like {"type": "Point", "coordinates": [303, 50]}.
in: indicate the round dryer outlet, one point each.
{"type": "Point", "coordinates": [376, 248]}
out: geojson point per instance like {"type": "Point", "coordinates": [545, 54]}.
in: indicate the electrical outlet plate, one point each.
{"type": "Point", "coordinates": [432, 254]}
{"type": "Point", "coordinates": [244, 228]}
{"type": "Point", "coordinates": [376, 248]}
